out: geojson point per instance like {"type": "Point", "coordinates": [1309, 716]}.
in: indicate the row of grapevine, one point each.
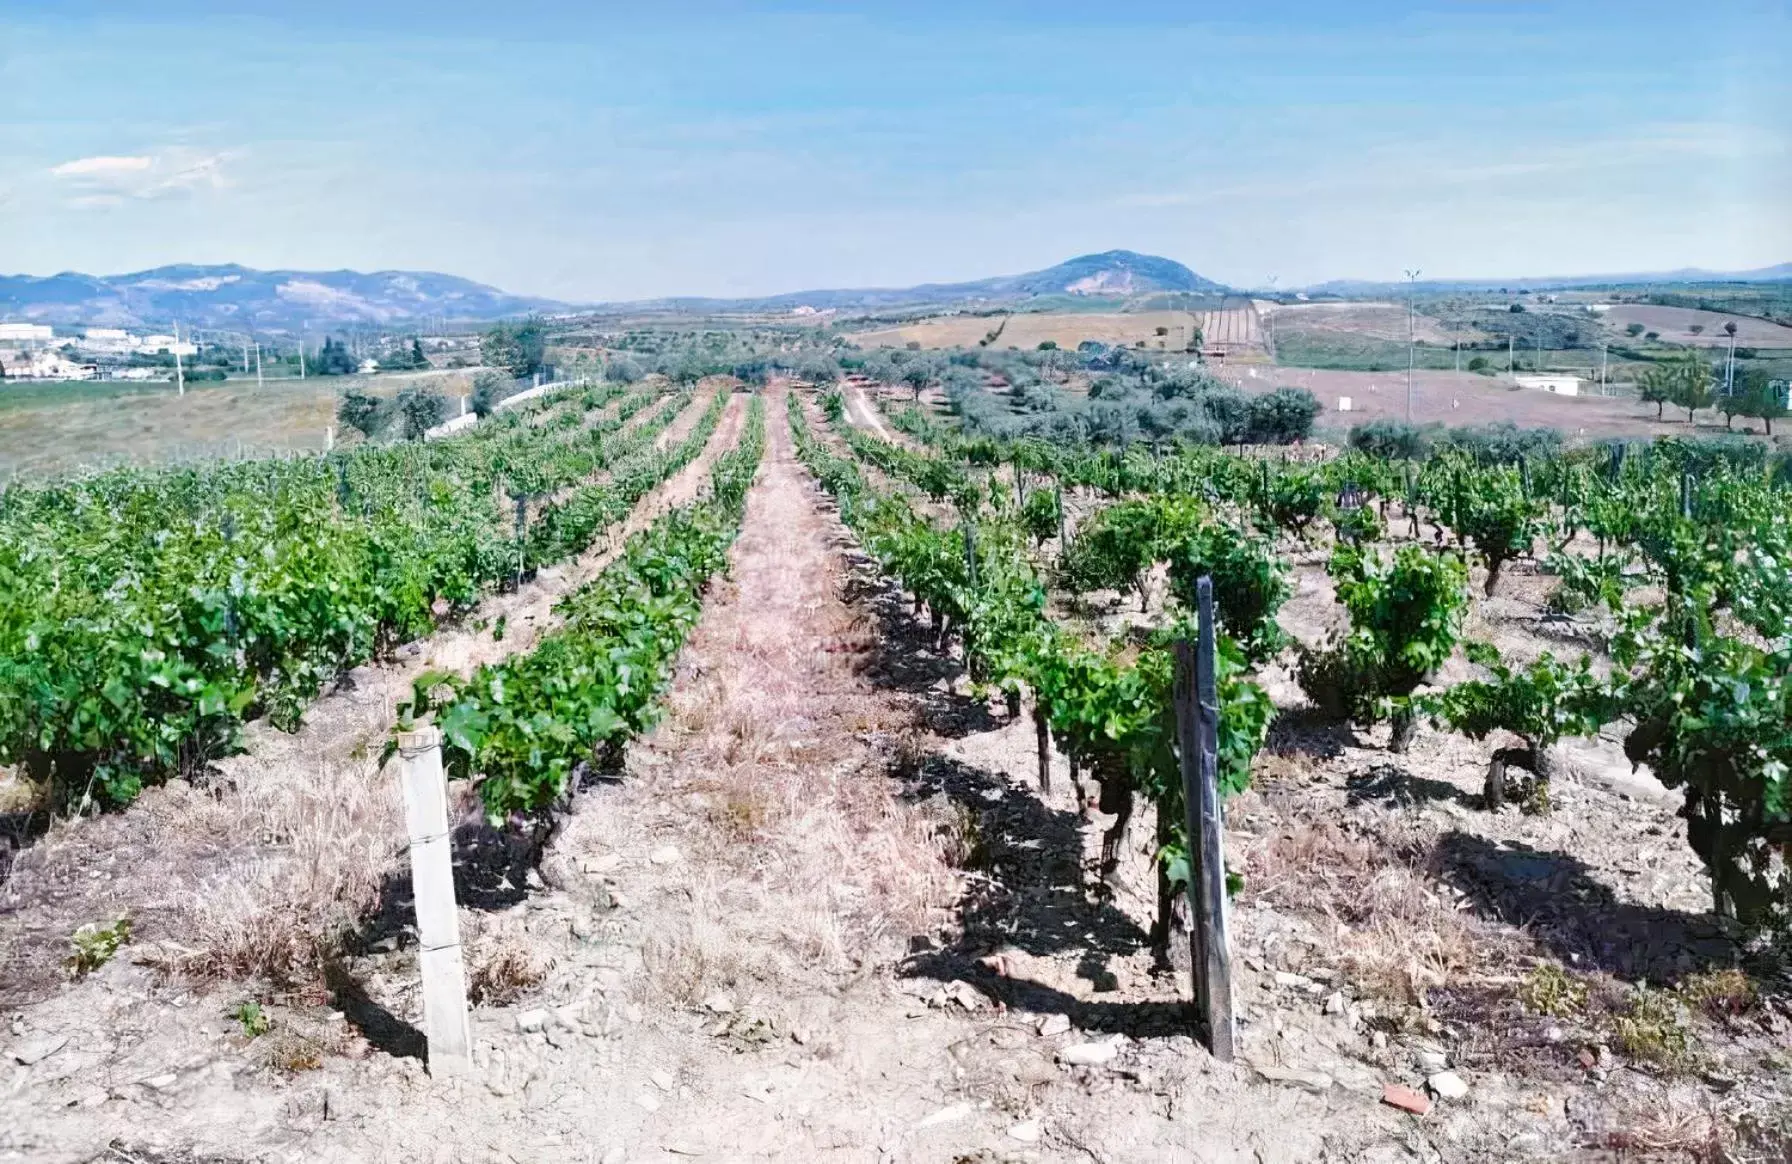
{"type": "Point", "coordinates": [145, 616]}
{"type": "Point", "coordinates": [525, 728]}
{"type": "Point", "coordinates": [1109, 708]}
{"type": "Point", "coordinates": [1702, 660]}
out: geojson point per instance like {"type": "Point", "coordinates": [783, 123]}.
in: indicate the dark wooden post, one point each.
{"type": "Point", "coordinates": [1043, 731]}
{"type": "Point", "coordinates": [970, 554]}
{"type": "Point", "coordinates": [1197, 733]}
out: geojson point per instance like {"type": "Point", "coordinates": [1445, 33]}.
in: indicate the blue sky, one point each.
{"type": "Point", "coordinates": [594, 151]}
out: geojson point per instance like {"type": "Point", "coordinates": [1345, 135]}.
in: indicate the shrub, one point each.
{"type": "Point", "coordinates": [1283, 416]}
{"type": "Point", "coordinates": [1505, 443]}
{"type": "Point", "coordinates": [488, 389]}
{"type": "Point", "coordinates": [422, 409]}
{"type": "Point", "coordinates": [1392, 439]}
{"type": "Point", "coordinates": [364, 413]}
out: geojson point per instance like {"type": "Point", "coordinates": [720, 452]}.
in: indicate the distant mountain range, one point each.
{"type": "Point", "coordinates": [244, 299]}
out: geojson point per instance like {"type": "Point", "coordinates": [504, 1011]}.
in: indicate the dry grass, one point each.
{"type": "Point", "coordinates": [1395, 928]}
{"type": "Point", "coordinates": [501, 968]}
{"type": "Point", "coordinates": [325, 842]}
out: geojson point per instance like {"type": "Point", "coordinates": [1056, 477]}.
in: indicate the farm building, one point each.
{"type": "Point", "coordinates": [1559, 385]}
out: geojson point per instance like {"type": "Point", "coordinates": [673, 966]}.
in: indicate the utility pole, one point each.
{"type": "Point", "coordinates": [1459, 353]}
{"type": "Point", "coordinates": [1730, 364]}
{"type": "Point", "coordinates": [258, 383]}
{"type": "Point", "coordinates": [1539, 349]}
{"type": "Point", "coordinates": [1412, 276]}
{"type": "Point", "coordinates": [180, 375]}
{"type": "Point", "coordinates": [1510, 337]}
{"type": "Point", "coordinates": [1602, 352]}
{"type": "Point", "coordinates": [245, 355]}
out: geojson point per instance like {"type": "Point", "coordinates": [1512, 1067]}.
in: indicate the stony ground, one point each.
{"type": "Point", "coordinates": [828, 915]}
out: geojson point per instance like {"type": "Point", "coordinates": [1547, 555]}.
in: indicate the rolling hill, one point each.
{"type": "Point", "coordinates": [232, 296]}
{"type": "Point", "coordinates": [1110, 274]}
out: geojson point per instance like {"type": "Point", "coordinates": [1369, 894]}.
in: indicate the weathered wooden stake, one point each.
{"type": "Point", "coordinates": [1043, 731]}
{"type": "Point", "coordinates": [1197, 732]}
{"type": "Point", "coordinates": [445, 1021]}
{"type": "Point", "coordinates": [970, 554]}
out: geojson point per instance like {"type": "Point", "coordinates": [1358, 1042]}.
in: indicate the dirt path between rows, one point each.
{"type": "Point", "coordinates": [300, 827]}
{"type": "Point", "coordinates": [863, 413]}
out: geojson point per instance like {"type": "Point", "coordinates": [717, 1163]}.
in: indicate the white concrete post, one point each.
{"type": "Point", "coordinates": [445, 1019]}
{"type": "Point", "coordinates": [329, 437]}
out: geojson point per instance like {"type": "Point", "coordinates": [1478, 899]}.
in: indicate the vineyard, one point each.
{"type": "Point", "coordinates": [833, 765]}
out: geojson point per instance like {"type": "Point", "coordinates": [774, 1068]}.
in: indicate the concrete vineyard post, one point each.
{"type": "Point", "coordinates": [1197, 732]}
{"type": "Point", "coordinates": [445, 1020]}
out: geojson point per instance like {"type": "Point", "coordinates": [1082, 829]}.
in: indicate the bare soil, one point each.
{"type": "Point", "coordinates": [1462, 398]}
{"type": "Point", "coordinates": [1675, 325]}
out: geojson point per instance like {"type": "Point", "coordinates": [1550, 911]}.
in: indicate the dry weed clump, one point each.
{"type": "Point", "coordinates": [1721, 994]}
{"type": "Point", "coordinates": [501, 969]}
{"type": "Point", "coordinates": [1396, 929]}
{"type": "Point", "coordinates": [325, 842]}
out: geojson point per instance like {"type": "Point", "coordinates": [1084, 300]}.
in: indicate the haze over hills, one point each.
{"type": "Point", "coordinates": [242, 298]}
{"type": "Point", "coordinates": [232, 296]}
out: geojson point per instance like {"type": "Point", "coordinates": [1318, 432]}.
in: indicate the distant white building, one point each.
{"type": "Point", "coordinates": [26, 333]}
{"type": "Point", "coordinates": [167, 343]}
{"type": "Point", "coordinates": [46, 365]}
{"type": "Point", "coordinates": [1559, 385]}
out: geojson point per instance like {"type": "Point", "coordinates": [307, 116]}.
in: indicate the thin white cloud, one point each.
{"type": "Point", "coordinates": [101, 167]}
{"type": "Point", "coordinates": [111, 180]}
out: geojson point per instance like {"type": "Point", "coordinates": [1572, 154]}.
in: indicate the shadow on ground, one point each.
{"type": "Point", "coordinates": [1559, 900]}
{"type": "Point", "coordinates": [379, 1026]}
{"type": "Point", "coordinates": [1307, 731]}
{"type": "Point", "coordinates": [1395, 787]}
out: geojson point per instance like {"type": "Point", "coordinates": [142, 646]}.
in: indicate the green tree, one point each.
{"type": "Point", "coordinates": [361, 412]}
{"type": "Point", "coordinates": [516, 348]}
{"type": "Point", "coordinates": [334, 359]}
{"type": "Point", "coordinates": [489, 388]}
{"type": "Point", "coordinates": [1759, 398]}
{"type": "Point", "coordinates": [1283, 416]}
{"type": "Point", "coordinates": [1692, 384]}
{"type": "Point", "coordinates": [1633, 330]}
{"type": "Point", "coordinates": [1656, 386]}
{"type": "Point", "coordinates": [422, 409]}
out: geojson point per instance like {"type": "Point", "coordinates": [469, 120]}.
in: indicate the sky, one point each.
{"type": "Point", "coordinates": [592, 151]}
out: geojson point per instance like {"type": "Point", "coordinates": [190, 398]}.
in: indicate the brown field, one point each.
{"type": "Point", "coordinates": [1674, 324]}
{"type": "Point", "coordinates": [1463, 398]}
{"type": "Point", "coordinates": [1383, 321]}
{"type": "Point", "coordinates": [1028, 331]}
{"type": "Point", "coordinates": [80, 426]}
